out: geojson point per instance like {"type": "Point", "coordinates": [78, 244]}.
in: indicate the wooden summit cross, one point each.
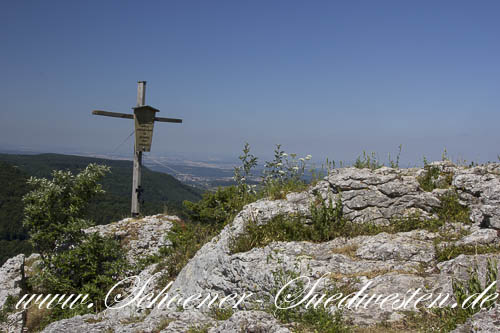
{"type": "Point", "coordinates": [144, 116]}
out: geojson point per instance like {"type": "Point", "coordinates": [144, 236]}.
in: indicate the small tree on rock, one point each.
{"type": "Point", "coordinates": [55, 209]}
{"type": "Point", "coordinates": [73, 261]}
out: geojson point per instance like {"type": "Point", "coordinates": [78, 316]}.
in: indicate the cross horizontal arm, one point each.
{"type": "Point", "coordinates": [113, 114]}
{"type": "Point", "coordinates": [168, 120]}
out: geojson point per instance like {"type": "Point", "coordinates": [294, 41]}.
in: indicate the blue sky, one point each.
{"type": "Point", "coordinates": [327, 78]}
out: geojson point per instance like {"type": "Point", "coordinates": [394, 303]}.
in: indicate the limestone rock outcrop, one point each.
{"type": "Point", "coordinates": [11, 279]}
{"type": "Point", "coordinates": [389, 263]}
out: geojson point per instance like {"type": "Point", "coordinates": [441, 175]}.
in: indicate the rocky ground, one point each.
{"type": "Point", "coordinates": [395, 262]}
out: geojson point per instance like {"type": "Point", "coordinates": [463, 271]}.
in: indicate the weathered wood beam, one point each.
{"type": "Point", "coordinates": [168, 120]}
{"type": "Point", "coordinates": [113, 114]}
{"type": "Point", "coordinates": [131, 116]}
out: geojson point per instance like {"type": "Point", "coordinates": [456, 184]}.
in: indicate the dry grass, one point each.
{"type": "Point", "coordinates": [35, 317]}
{"type": "Point", "coordinates": [368, 274]}
{"type": "Point", "coordinates": [347, 250]}
{"type": "Point", "coordinates": [162, 325]}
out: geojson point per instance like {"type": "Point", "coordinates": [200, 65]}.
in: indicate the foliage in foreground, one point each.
{"type": "Point", "coordinates": [447, 319]}
{"type": "Point", "coordinates": [433, 178]}
{"type": "Point", "coordinates": [372, 162]}
{"type": "Point", "coordinates": [328, 222]}
{"type": "Point", "coordinates": [215, 210]}
{"type": "Point", "coordinates": [219, 206]}
{"type": "Point", "coordinates": [310, 319]}
{"type": "Point", "coordinates": [437, 319]}
{"type": "Point", "coordinates": [7, 308]}
{"type": "Point", "coordinates": [72, 261]}
{"type": "Point", "coordinates": [54, 211]}
{"type": "Point", "coordinates": [187, 239]}
{"type": "Point", "coordinates": [452, 251]}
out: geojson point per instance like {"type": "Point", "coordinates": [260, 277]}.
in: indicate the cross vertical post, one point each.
{"type": "Point", "coordinates": [136, 176]}
{"type": "Point", "coordinates": [144, 117]}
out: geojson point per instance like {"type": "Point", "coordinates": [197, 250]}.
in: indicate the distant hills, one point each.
{"type": "Point", "coordinates": [162, 192]}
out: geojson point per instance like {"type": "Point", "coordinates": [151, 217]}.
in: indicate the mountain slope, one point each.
{"type": "Point", "coordinates": [394, 237]}
{"type": "Point", "coordinates": [162, 191]}
{"type": "Point", "coordinates": [12, 188]}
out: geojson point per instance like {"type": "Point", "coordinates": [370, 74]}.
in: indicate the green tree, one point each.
{"type": "Point", "coordinates": [54, 211]}
{"type": "Point", "coordinates": [72, 261]}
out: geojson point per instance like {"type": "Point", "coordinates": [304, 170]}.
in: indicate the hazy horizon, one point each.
{"type": "Point", "coordinates": [325, 78]}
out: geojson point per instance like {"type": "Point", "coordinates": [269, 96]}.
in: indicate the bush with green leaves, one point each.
{"type": "Point", "coordinates": [218, 207]}
{"type": "Point", "coordinates": [54, 211]}
{"type": "Point", "coordinates": [91, 267]}
{"type": "Point", "coordinates": [284, 174]}
{"type": "Point", "coordinates": [72, 261]}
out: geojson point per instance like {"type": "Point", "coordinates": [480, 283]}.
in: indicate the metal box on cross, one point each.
{"type": "Point", "coordinates": [144, 123]}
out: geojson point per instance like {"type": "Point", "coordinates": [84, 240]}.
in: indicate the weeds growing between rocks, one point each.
{"type": "Point", "coordinates": [8, 307]}
{"type": "Point", "coordinates": [444, 319]}
{"type": "Point", "coordinates": [309, 319]}
{"type": "Point", "coordinates": [328, 222]}
{"type": "Point", "coordinates": [433, 178]}
{"type": "Point", "coordinates": [449, 252]}
{"type": "Point", "coordinates": [187, 239]}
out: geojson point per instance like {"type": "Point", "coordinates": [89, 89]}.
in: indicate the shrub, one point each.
{"type": "Point", "coordinates": [55, 209]}
{"type": "Point", "coordinates": [283, 166]}
{"type": "Point", "coordinates": [218, 207]}
{"type": "Point", "coordinates": [221, 313]}
{"type": "Point", "coordinates": [395, 164]}
{"type": "Point", "coordinates": [73, 262]}
{"type": "Point", "coordinates": [414, 222]}
{"type": "Point", "coordinates": [283, 174]}
{"type": "Point", "coordinates": [92, 267]}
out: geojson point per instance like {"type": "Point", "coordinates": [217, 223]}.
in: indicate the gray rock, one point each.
{"type": "Point", "coordinates": [174, 321]}
{"type": "Point", "coordinates": [396, 263]}
{"type": "Point", "coordinates": [381, 194]}
{"type": "Point", "coordinates": [251, 322]}
{"type": "Point", "coordinates": [479, 236]}
{"type": "Point", "coordinates": [401, 247]}
{"type": "Point", "coordinates": [480, 187]}
{"type": "Point", "coordinates": [11, 279]}
{"type": "Point", "coordinates": [484, 321]}
{"type": "Point", "coordinates": [140, 237]}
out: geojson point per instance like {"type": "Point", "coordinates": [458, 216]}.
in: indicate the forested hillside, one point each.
{"type": "Point", "coordinates": [12, 234]}
{"type": "Point", "coordinates": [162, 192]}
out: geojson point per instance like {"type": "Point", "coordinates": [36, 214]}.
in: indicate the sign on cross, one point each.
{"type": "Point", "coordinates": [144, 118]}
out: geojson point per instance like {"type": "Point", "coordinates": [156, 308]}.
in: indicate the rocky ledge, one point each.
{"type": "Point", "coordinates": [394, 262]}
